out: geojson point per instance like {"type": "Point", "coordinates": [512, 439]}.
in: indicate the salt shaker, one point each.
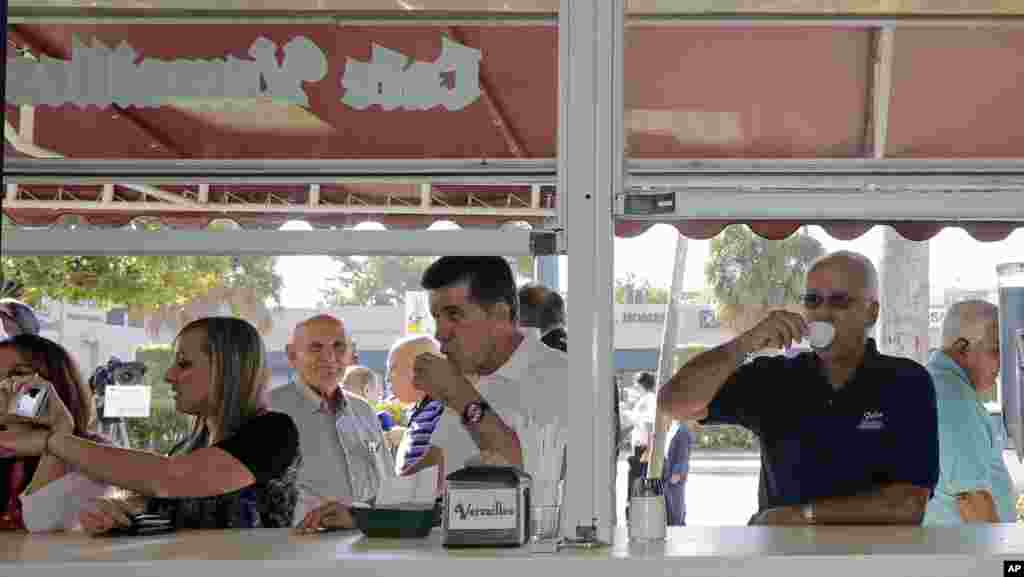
{"type": "Point", "coordinates": [647, 516]}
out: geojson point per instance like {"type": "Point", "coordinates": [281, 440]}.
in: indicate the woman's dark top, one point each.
{"type": "Point", "coordinates": [268, 445]}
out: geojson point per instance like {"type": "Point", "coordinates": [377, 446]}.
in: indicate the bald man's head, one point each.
{"type": "Point", "coordinates": [319, 351]}
{"type": "Point", "coordinates": [971, 320]}
{"type": "Point", "coordinates": [859, 270]}
{"type": "Point", "coordinates": [401, 358]}
{"type": "Point", "coordinates": [970, 336]}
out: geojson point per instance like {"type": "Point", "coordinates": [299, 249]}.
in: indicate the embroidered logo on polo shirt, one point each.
{"type": "Point", "coordinates": [872, 421]}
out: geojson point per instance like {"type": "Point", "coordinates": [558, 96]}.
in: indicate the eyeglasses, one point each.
{"type": "Point", "coordinates": [836, 300]}
{"type": "Point", "coordinates": [964, 345]}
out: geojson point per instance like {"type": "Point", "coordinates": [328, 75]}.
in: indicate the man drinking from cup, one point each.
{"type": "Point", "coordinates": [848, 435]}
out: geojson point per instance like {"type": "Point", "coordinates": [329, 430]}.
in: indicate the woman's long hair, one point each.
{"type": "Point", "coordinates": [238, 373]}
{"type": "Point", "coordinates": [53, 363]}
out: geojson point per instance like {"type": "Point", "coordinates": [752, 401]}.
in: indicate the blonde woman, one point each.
{"type": "Point", "coordinates": [237, 467]}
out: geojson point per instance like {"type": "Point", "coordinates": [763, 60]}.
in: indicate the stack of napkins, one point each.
{"type": "Point", "coordinates": [412, 492]}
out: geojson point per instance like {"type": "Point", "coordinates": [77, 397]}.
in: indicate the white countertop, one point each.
{"type": "Point", "coordinates": [831, 551]}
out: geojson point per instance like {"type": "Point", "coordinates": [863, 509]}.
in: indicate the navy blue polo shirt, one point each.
{"type": "Point", "coordinates": [880, 428]}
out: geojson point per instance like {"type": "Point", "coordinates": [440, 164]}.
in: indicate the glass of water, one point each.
{"type": "Point", "coordinates": [545, 509]}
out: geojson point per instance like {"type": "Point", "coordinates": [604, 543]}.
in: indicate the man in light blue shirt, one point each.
{"type": "Point", "coordinates": [974, 483]}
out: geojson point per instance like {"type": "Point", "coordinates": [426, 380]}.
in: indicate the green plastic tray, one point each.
{"type": "Point", "coordinates": [396, 523]}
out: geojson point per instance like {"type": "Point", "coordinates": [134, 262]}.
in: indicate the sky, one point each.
{"type": "Point", "coordinates": [957, 260]}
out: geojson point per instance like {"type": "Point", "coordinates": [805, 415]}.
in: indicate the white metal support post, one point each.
{"type": "Point", "coordinates": [590, 173]}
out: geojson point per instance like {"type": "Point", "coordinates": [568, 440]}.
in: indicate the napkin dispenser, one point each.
{"type": "Point", "coordinates": [487, 507]}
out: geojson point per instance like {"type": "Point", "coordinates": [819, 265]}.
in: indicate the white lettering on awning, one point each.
{"type": "Point", "coordinates": [99, 76]}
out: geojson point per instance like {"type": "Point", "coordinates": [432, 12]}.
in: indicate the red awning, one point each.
{"type": "Point", "coordinates": [757, 92]}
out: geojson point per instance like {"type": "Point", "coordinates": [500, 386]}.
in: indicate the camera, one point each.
{"type": "Point", "coordinates": [129, 374]}
{"type": "Point", "coordinates": [32, 401]}
{"type": "Point", "coordinates": [25, 394]}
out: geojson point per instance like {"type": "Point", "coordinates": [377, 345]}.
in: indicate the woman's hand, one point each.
{"type": "Point", "coordinates": [20, 440]}
{"type": "Point", "coordinates": [329, 515]}
{"type": "Point", "coordinates": [56, 417]}
{"type": "Point", "coordinates": [106, 514]}
{"type": "Point", "coordinates": [26, 436]}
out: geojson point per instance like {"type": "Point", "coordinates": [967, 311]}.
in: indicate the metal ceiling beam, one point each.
{"type": "Point", "coordinates": [471, 171]}
{"type": "Point", "coordinates": [468, 171]}
{"type": "Point", "coordinates": [507, 242]}
{"type": "Point", "coordinates": [819, 205]}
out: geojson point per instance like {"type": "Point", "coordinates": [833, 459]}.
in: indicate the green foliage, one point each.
{"type": "Point", "coordinates": [165, 426]}
{"type": "Point", "coordinates": [750, 275]}
{"type": "Point", "coordinates": [375, 280]}
{"type": "Point", "coordinates": [158, 359]}
{"type": "Point", "coordinates": [161, 431]}
{"type": "Point", "coordinates": [632, 289]}
{"type": "Point", "coordinates": [143, 283]}
{"type": "Point", "coordinates": [146, 282]}
{"type": "Point", "coordinates": [724, 437]}
{"type": "Point", "coordinates": [384, 280]}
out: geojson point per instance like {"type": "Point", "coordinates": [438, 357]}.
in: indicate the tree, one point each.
{"type": "Point", "coordinates": [171, 290]}
{"type": "Point", "coordinates": [375, 280]}
{"type": "Point", "coordinates": [632, 290]}
{"type": "Point", "coordinates": [164, 289]}
{"type": "Point", "coordinates": [750, 275]}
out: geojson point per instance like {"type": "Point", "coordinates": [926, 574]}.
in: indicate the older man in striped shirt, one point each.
{"type": "Point", "coordinates": [415, 451]}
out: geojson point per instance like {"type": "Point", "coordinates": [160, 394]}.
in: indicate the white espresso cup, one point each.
{"type": "Point", "coordinates": [820, 334]}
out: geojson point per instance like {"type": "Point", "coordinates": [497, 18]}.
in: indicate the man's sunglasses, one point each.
{"type": "Point", "coordinates": [837, 300]}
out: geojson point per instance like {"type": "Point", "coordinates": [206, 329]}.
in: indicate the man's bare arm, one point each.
{"type": "Point", "coordinates": [690, 391]}
{"type": "Point", "coordinates": [491, 434]}
{"type": "Point", "coordinates": [893, 504]}
{"type": "Point", "coordinates": [977, 507]}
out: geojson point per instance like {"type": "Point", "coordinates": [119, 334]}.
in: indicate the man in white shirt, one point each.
{"type": "Point", "coordinates": [344, 457]}
{"type": "Point", "coordinates": [473, 301]}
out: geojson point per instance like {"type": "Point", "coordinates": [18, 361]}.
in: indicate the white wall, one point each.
{"type": "Point", "coordinates": [87, 336]}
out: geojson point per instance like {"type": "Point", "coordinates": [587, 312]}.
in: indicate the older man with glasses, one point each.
{"type": "Point", "coordinates": [17, 318]}
{"type": "Point", "coordinates": [975, 485]}
{"type": "Point", "coordinates": [848, 435]}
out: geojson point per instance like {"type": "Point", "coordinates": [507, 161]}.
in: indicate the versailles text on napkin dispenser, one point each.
{"type": "Point", "coordinates": [487, 507]}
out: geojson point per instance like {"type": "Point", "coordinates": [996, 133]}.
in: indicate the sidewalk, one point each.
{"type": "Point", "coordinates": [721, 462]}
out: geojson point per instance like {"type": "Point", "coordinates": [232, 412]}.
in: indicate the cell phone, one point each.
{"type": "Point", "coordinates": [143, 524]}
{"type": "Point", "coordinates": [32, 401]}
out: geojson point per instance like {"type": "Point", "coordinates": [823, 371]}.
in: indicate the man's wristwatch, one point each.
{"type": "Point", "coordinates": [807, 511]}
{"type": "Point", "coordinates": [475, 412]}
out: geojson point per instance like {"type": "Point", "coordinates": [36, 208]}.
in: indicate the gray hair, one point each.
{"type": "Point", "coordinates": [239, 373]}
{"type": "Point", "coordinates": [867, 268]}
{"type": "Point", "coordinates": [364, 376]}
{"type": "Point", "coordinates": [410, 340]}
{"type": "Point", "coordinates": [968, 320]}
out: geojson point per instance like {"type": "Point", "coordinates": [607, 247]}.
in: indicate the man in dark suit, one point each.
{"type": "Point", "coordinates": [543, 309]}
